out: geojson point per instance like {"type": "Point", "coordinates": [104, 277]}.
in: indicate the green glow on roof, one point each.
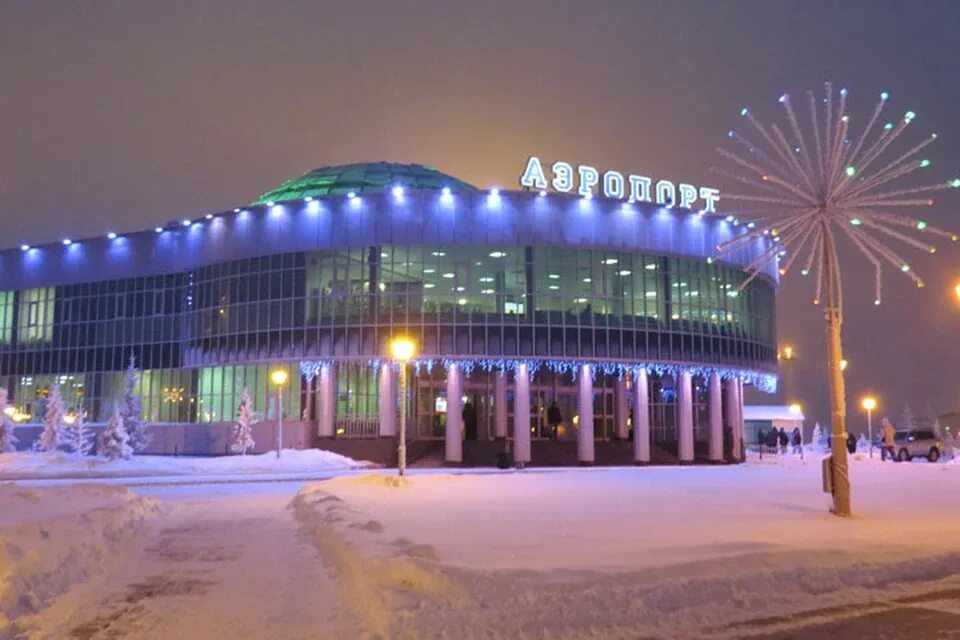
{"type": "Point", "coordinates": [360, 178]}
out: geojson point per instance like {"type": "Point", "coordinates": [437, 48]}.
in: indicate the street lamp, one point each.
{"type": "Point", "coordinates": [869, 403]}
{"type": "Point", "coordinates": [402, 350]}
{"type": "Point", "coordinates": [279, 378]}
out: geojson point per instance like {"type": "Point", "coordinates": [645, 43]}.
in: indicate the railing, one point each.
{"type": "Point", "coordinates": [357, 427]}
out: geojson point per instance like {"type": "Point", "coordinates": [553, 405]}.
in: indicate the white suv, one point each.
{"type": "Point", "coordinates": [917, 443]}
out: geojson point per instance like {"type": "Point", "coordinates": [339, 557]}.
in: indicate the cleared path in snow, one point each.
{"type": "Point", "coordinates": [223, 562]}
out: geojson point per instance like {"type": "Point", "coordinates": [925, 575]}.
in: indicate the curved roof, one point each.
{"type": "Point", "coordinates": [362, 177]}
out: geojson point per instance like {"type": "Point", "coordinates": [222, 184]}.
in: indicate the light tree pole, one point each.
{"type": "Point", "coordinates": [802, 190]}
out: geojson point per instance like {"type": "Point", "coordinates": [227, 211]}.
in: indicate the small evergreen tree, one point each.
{"type": "Point", "coordinates": [908, 419]}
{"type": "Point", "coordinates": [52, 436]}
{"type": "Point", "coordinates": [77, 437]}
{"type": "Point", "coordinates": [131, 409]}
{"type": "Point", "coordinates": [818, 437]}
{"type": "Point", "coordinates": [114, 442]}
{"type": "Point", "coordinates": [8, 441]}
{"type": "Point", "coordinates": [242, 440]}
{"type": "Point", "coordinates": [863, 443]}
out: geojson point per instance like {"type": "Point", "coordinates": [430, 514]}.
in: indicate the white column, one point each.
{"type": "Point", "coordinates": [454, 437]}
{"type": "Point", "coordinates": [730, 419]}
{"type": "Point", "coordinates": [585, 452]}
{"type": "Point", "coordinates": [621, 409]}
{"type": "Point", "coordinates": [738, 431]}
{"type": "Point", "coordinates": [685, 418]}
{"type": "Point", "coordinates": [327, 401]}
{"type": "Point", "coordinates": [715, 407]}
{"type": "Point", "coordinates": [641, 417]}
{"type": "Point", "coordinates": [388, 401]}
{"type": "Point", "coordinates": [521, 415]}
{"type": "Point", "coordinates": [500, 405]}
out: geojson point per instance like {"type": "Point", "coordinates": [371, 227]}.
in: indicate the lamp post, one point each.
{"type": "Point", "coordinates": [402, 350]}
{"type": "Point", "coordinates": [279, 378]}
{"type": "Point", "coordinates": [869, 404]}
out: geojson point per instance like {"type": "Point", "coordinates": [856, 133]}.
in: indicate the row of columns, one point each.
{"type": "Point", "coordinates": [732, 388]}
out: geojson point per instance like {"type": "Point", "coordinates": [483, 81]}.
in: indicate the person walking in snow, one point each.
{"type": "Point", "coordinates": [796, 440]}
{"type": "Point", "coordinates": [783, 440]}
{"type": "Point", "coordinates": [851, 443]}
{"type": "Point", "coordinates": [888, 441]}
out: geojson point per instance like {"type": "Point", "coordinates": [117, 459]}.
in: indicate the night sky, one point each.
{"type": "Point", "coordinates": [123, 115]}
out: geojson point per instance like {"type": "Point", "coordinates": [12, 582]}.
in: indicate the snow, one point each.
{"type": "Point", "coordinates": [696, 551]}
{"type": "Point", "coordinates": [30, 465]}
{"type": "Point", "coordinates": [628, 552]}
{"type": "Point", "coordinates": [51, 538]}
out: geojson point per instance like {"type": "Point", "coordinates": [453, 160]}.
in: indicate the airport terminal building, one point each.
{"type": "Point", "coordinates": [562, 327]}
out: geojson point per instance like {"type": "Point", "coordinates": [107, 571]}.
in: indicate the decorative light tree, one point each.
{"type": "Point", "coordinates": [242, 440]}
{"type": "Point", "coordinates": [804, 189]}
{"type": "Point", "coordinates": [52, 436]}
{"type": "Point", "coordinates": [8, 441]}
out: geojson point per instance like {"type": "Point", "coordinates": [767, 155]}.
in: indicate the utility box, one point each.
{"type": "Point", "coordinates": [827, 469]}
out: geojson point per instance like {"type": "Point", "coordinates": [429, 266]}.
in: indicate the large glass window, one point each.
{"type": "Point", "coordinates": [6, 316]}
{"type": "Point", "coordinates": [35, 323]}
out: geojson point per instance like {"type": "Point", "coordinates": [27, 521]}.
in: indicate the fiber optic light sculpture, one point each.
{"type": "Point", "coordinates": [807, 186]}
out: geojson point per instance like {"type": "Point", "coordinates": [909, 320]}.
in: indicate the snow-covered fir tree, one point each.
{"type": "Point", "coordinates": [114, 442]}
{"type": "Point", "coordinates": [8, 441]}
{"type": "Point", "coordinates": [907, 417]}
{"type": "Point", "coordinates": [863, 443]}
{"type": "Point", "coordinates": [131, 408]}
{"type": "Point", "coordinates": [52, 436]}
{"type": "Point", "coordinates": [78, 438]}
{"type": "Point", "coordinates": [818, 438]}
{"type": "Point", "coordinates": [242, 440]}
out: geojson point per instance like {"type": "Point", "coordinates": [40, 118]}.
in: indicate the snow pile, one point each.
{"type": "Point", "coordinates": [22, 465]}
{"type": "Point", "coordinates": [51, 538]}
{"type": "Point", "coordinates": [658, 551]}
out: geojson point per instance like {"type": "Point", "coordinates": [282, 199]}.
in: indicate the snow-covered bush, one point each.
{"type": "Point", "coordinates": [242, 440]}
{"type": "Point", "coordinates": [77, 437]}
{"type": "Point", "coordinates": [52, 436]}
{"type": "Point", "coordinates": [8, 441]}
{"type": "Point", "coordinates": [131, 408]}
{"type": "Point", "coordinates": [114, 442]}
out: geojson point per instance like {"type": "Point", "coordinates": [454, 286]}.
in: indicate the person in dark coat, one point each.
{"type": "Point", "coordinates": [783, 440]}
{"type": "Point", "coordinates": [554, 418]}
{"type": "Point", "coordinates": [796, 440]}
{"type": "Point", "coordinates": [469, 416]}
{"type": "Point", "coordinates": [772, 438]}
{"type": "Point", "coordinates": [761, 438]}
{"type": "Point", "coordinates": [851, 443]}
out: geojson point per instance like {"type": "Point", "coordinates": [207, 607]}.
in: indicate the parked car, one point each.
{"type": "Point", "coordinates": [917, 443]}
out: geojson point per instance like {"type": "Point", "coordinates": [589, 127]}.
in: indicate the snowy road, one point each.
{"type": "Point", "coordinates": [222, 562]}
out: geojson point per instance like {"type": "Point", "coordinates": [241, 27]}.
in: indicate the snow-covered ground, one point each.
{"type": "Point", "coordinates": [54, 537]}
{"type": "Point", "coordinates": [664, 552]}
{"type": "Point", "coordinates": [29, 465]}
{"type": "Point", "coordinates": [659, 551]}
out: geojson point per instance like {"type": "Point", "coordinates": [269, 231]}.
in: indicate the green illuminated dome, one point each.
{"type": "Point", "coordinates": [362, 177]}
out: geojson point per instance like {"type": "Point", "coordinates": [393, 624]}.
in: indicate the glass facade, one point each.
{"type": "Point", "coordinates": [202, 335]}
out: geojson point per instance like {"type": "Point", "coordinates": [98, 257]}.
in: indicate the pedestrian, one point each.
{"type": "Point", "coordinates": [888, 441]}
{"type": "Point", "coordinates": [851, 443]}
{"type": "Point", "coordinates": [554, 418]}
{"type": "Point", "coordinates": [783, 440]}
{"type": "Point", "coordinates": [761, 438]}
{"type": "Point", "coordinates": [797, 440]}
{"type": "Point", "coordinates": [772, 439]}
{"type": "Point", "coordinates": [469, 417]}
